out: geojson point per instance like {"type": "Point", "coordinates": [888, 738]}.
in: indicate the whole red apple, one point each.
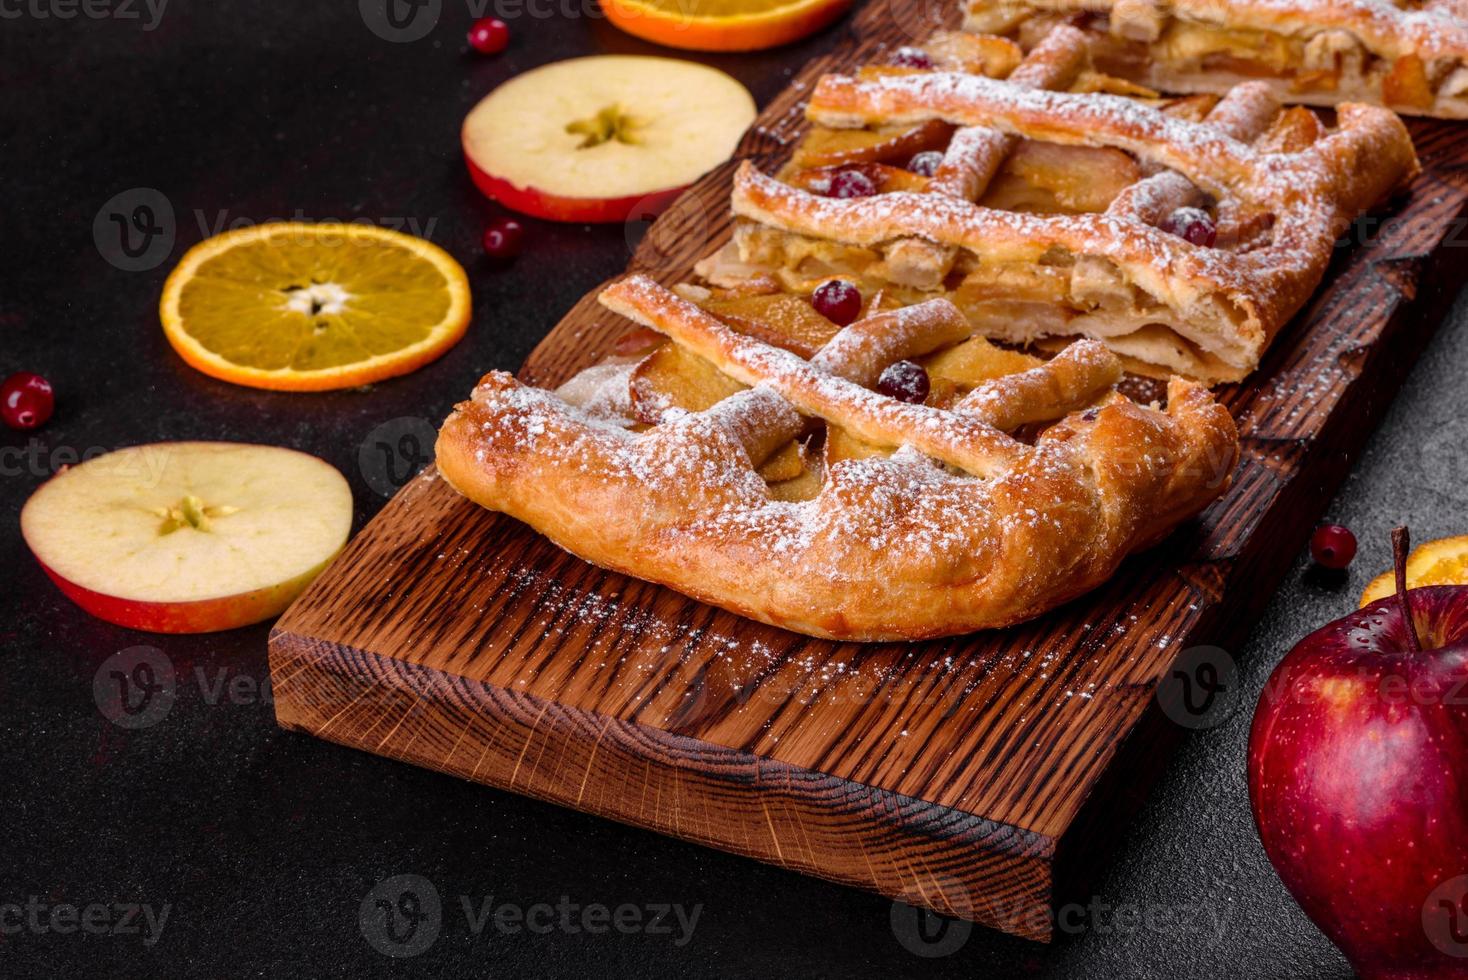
{"type": "Point", "coordinates": [1358, 775]}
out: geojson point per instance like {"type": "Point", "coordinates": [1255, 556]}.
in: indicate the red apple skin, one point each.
{"type": "Point", "coordinates": [573, 210]}
{"type": "Point", "coordinates": [1358, 777]}
{"type": "Point", "coordinates": [195, 616]}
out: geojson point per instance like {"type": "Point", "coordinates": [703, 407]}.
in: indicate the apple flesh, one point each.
{"type": "Point", "coordinates": [188, 537]}
{"type": "Point", "coordinates": [595, 139]}
{"type": "Point", "coordinates": [1358, 777]}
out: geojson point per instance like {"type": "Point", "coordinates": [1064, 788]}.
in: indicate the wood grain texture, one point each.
{"type": "Point", "coordinates": [973, 775]}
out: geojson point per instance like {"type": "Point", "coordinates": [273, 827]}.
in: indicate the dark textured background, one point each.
{"type": "Point", "coordinates": [265, 844]}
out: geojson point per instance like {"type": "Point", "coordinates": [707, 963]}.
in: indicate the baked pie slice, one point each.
{"type": "Point", "coordinates": [792, 492]}
{"type": "Point", "coordinates": [1181, 233]}
{"type": "Point", "coordinates": [1410, 56]}
{"type": "Point", "coordinates": [822, 433]}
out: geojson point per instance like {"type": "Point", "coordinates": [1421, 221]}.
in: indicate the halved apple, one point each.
{"type": "Point", "coordinates": [188, 537]}
{"type": "Point", "coordinates": [590, 139]}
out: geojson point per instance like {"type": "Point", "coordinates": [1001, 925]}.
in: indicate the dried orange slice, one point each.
{"type": "Point", "coordinates": [312, 307]}
{"type": "Point", "coordinates": [1443, 562]}
{"type": "Point", "coordinates": [723, 25]}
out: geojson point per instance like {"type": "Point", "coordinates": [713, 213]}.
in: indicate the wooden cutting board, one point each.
{"type": "Point", "coordinates": [974, 776]}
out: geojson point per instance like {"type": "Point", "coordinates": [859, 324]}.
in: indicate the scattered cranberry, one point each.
{"type": "Point", "coordinates": [1333, 546]}
{"type": "Point", "coordinates": [926, 163]}
{"type": "Point", "coordinates": [905, 381]}
{"type": "Point", "coordinates": [838, 301]}
{"type": "Point", "coordinates": [502, 239]}
{"type": "Point", "coordinates": [912, 58]}
{"type": "Point", "coordinates": [26, 400]}
{"type": "Point", "coordinates": [1192, 225]}
{"type": "Point", "coordinates": [851, 183]}
{"type": "Point", "coordinates": [489, 35]}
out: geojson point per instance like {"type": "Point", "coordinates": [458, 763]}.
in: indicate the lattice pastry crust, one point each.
{"type": "Point", "coordinates": [962, 527]}
{"type": "Point", "coordinates": [1280, 187]}
{"type": "Point", "coordinates": [1409, 56]}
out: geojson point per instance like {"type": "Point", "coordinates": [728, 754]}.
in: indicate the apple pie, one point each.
{"type": "Point", "coordinates": [1058, 201]}
{"type": "Point", "coordinates": [762, 460]}
{"type": "Point", "coordinates": [1410, 55]}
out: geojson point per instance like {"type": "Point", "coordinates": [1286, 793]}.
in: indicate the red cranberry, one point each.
{"type": "Point", "coordinates": [905, 381]}
{"type": "Point", "coordinates": [1333, 546]}
{"type": "Point", "coordinates": [489, 35]}
{"type": "Point", "coordinates": [26, 400]}
{"type": "Point", "coordinates": [926, 163]}
{"type": "Point", "coordinates": [1192, 225]}
{"type": "Point", "coordinates": [912, 58]}
{"type": "Point", "coordinates": [851, 183]}
{"type": "Point", "coordinates": [838, 301]}
{"type": "Point", "coordinates": [502, 239]}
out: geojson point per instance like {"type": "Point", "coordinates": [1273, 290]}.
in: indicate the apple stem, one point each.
{"type": "Point", "coordinates": [1401, 544]}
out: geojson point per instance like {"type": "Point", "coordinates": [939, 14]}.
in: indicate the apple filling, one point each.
{"type": "Point", "coordinates": [1060, 296]}
{"type": "Point", "coordinates": [661, 381]}
{"type": "Point", "coordinates": [1142, 41]}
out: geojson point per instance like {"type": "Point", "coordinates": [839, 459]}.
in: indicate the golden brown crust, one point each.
{"type": "Point", "coordinates": [1226, 306]}
{"type": "Point", "coordinates": [892, 547]}
{"type": "Point", "coordinates": [1349, 47]}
